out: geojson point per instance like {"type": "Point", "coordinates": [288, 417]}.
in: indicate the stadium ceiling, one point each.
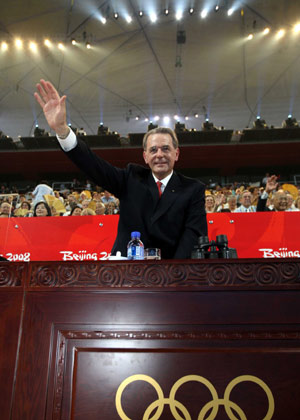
{"type": "Point", "coordinates": [157, 65]}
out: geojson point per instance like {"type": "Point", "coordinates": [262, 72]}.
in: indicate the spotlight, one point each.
{"type": "Point", "coordinates": [137, 117]}
{"type": "Point", "coordinates": [39, 132]}
{"type": "Point", "coordinates": [250, 36]}
{"type": "Point", "coordinates": [73, 41]}
{"type": "Point", "coordinates": [153, 17]}
{"type": "Point", "coordinates": [102, 130]}
{"type": "Point", "coordinates": [178, 15]}
{"type": "Point", "coordinates": [48, 43]}
{"type": "Point", "coordinates": [179, 128]}
{"type": "Point", "coordinates": [266, 31]}
{"type": "Point", "coordinates": [186, 118]}
{"type": "Point", "coordinates": [176, 117]}
{"type": "Point", "coordinates": [151, 126]}
{"type": "Point", "coordinates": [166, 120]}
{"type": "Point", "coordinates": [88, 45]}
{"type": "Point", "coordinates": [217, 8]}
{"type": "Point", "coordinates": [297, 28]}
{"type": "Point", "coordinates": [230, 11]}
{"type": "Point", "coordinates": [103, 20]}
{"type": "Point", "coordinates": [116, 15]}
{"type": "Point", "coordinates": [128, 18]}
{"type": "Point", "coordinates": [146, 119]}
{"type": "Point", "coordinates": [156, 118]}
{"type": "Point", "coordinates": [196, 115]}
{"type": "Point", "coordinates": [19, 43]}
{"type": "Point", "coordinates": [61, 46]}
{"type": "Point", "coordinates": [166, 12]}
{"type": "Point", "coordinates": [204, 13]}
{"type": "Point", "coordinates": [4, 46]}
{"type": "Point", "coordinates": [280, 33]}
{"type": "Point", "coordinates": [33, 46]}
{"type": "Point", "coordinates": [191, 10]}
{"type": "Point", "coordinates": [290, 122]}
{"type": "Point", "coordinates": [141, 13]}
{"type": "Point", "coordinates": [208, 125]}
{"type": "Point", "coordinates": [259, 124]}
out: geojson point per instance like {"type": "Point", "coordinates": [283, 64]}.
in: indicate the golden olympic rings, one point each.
{"type": "Point", "coordinates": [176, 406]}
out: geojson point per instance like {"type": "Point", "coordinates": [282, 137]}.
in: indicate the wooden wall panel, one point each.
{"type": "Point", "coordinates": [228, 331]}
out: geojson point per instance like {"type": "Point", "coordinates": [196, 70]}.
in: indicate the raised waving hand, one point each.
{"type": "Point", "coordinates": [53, 106]}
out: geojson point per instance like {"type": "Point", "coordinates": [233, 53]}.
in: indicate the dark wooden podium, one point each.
{"type": "Point", "coordinates": [165, 340]}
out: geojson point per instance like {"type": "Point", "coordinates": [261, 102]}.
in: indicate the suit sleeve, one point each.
{"type": "Point", "coordinates": [195, 224]}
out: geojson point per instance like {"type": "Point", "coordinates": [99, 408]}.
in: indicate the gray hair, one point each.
{"type": "Point", "coordinates": [161, 130]}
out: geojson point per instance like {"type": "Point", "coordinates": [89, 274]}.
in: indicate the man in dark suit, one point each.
{"type": "Point", "coordinates": [170, 216]}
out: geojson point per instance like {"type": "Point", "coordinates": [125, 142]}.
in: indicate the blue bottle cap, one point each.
{"type": "Point", "coordinates": [135, 234]}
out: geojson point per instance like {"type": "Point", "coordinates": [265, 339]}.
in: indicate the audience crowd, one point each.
{"type": "Point", "coordinates": [85, 200]}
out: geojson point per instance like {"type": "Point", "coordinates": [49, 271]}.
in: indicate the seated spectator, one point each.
{"type": "Point", "coordinates": [245, 200]}
{"type": "Point", "coordinates": [76, 211]}
{"type": "Point", "coordinates": [210, 203]}
{"type": "Point", "coordinates": [23, 210]}
{"type": "Point", "coordinates": [232, 203]}
{"type": "Point", "coordinates": [100, 208]}
{"type": "Point", "coordinates": [5, 209]}
{"type": "Point", "coordinates": [280, 201]}
{"type": "Point", "coordinates": [107, 197]}
{"type": "Point", "coordinates": [111, 208]}
{"type": "Point", "coordinates": [290, 203]}
{"type": "Point", "coordinates": [41, 209]}
{"type": "Point", "coordinates": [88, 212]}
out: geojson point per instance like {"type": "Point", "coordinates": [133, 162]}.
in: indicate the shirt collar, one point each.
{"type": "Point", "coordinates": [165, 180]}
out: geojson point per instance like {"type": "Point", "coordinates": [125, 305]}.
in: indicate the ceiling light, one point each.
{"type": "Point", "coordinates": [47, 43]}
{"type": "Point", "coordinates": [249, 37]}
{"type": "Point", "coordinates": [166, 12]}
{"type": "Point", "coordinates": [141, 13]}
{"type": "Point", "coordinates": [88, 45]}
{"type": "Point", "coordinates": [153, 17]}
{"type": "Point", "coordinates": [196, 115]}
{"type": "Point", "coordinates": [266, 31]}
{"type": "Point", "coordinates": [217, 8]}
{"type": "Point", "coordinates": [297, 28]}
{"type": "Point", "coordinates": [146, 119]}
{"type": "Point", "coordinates": [4, 46]}
{"type": "Point", "coordinates": [191, 11]}
{"type": "Point", "coordinates": [19, 43]}
{"type": "Point", "coordinates": [178, 15]}
{"type": "Point", "coordinates": [156, 118]}
{"type": "Point", "coordinates": [116, 15]}
{"type": "Point", "coordinates": [61, 46]}
{"type": "Point", "coordinates": [33, 46]}
{"type": "Point", "coordinates": [204, 13]}
{"type": "Point", "coordinates": [176, 117]}
{"type": "Point", "coordinates": [230, 11]}
{"type": "Point", "coordinates": [73, 41]}
{"type": "Point", "coordinates": [186, 118]}
{"type": "Point", "coordinates": [166, 120]}
{"type": "Point", "coordinates": [280, 33]}
{"type": "Point", "coordinates": [103, 20]}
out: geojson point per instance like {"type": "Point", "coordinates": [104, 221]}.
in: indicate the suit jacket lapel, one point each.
{"type": "Point", "coordinates": [170, 194]}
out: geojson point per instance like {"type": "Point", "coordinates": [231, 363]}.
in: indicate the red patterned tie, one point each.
{"type": "Point", "coordinates": [159, 184]}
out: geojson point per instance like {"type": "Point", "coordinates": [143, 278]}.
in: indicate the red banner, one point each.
{"type": "Point", "coordinates": [254, 235]}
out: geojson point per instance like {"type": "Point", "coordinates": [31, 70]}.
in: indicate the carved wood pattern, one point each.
{"type": "Point", "coordinates": [178, 335]}
{"type": "Point", "coordinates": [12, 274]}
{"type": "Point", "coordinates": [159, 274]}
{"type": "Point", "coordinates": [65, 335]}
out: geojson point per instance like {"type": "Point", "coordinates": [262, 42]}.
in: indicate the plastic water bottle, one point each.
{"type": "Point", "coordinates": [135, 247]}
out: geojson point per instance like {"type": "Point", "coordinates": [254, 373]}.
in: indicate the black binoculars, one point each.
{"type": "Point", "coordinates": [213, 249]}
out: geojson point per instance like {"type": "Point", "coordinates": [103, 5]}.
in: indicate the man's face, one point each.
{"type": "Point", "coordinates": [246, 199]}
{"type": "Point", "coordinates": [5, 208]}
{"type": "Point", "coordinates": [160, 154]}
{"type": "Point", "coordinates": [280, 201]}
